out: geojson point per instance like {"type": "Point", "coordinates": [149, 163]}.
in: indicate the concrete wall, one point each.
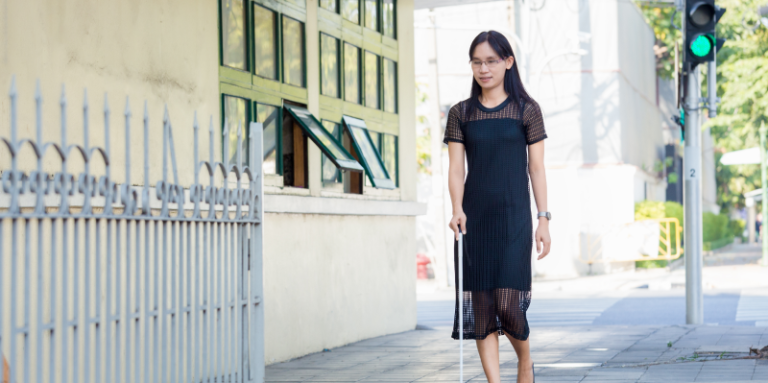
{"type": "Point", "coordinates": [164, 52]}
{"type": "Point", "coordinates": [332, 280]}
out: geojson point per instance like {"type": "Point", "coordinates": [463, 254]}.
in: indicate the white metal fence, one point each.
{"type": "Point", "coordinates": [101, 282]}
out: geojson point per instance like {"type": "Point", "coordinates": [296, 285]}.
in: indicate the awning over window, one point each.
{"type": "Point", "coordinates": [367, 153]}
{"type": "Point", "coordinates": [324, 140]}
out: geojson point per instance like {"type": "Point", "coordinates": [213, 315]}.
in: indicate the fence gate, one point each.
{"type": "Point", "coordinates": [106, 282]}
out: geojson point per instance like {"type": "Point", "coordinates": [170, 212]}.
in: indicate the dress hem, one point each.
{"type": "Point", "coordinates": [501, 330]}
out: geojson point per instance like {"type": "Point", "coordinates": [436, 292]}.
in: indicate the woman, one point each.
{"type": "Point", "coordinates": [501, 131]}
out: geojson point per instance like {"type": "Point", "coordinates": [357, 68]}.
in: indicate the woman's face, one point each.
{"type": "Point", "coordinates": [488, 68]}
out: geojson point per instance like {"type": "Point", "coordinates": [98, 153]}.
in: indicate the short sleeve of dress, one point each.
{"type": "Point", "coordinates": [453, 131]}
{"type": "Point", "coordinates": [533, 123]}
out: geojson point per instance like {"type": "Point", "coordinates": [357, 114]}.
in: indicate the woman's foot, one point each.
{"type": "Point", "coordinates": [524, 374]}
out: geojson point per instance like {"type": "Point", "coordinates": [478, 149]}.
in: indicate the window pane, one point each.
{"type": "Point", "coordinates": [390, 86]}
{"type": "Point", "coordinates": [293, 52]}
{"type": "Point", "coordinates": [371, 14]}
{"type": "Point", "coordinates": [388, 18]}
{"type": "Point", "coordinates": [330, 171]}
{"type": "Point", "coordinates": [233, 34]}
{"type": "Point", "coordinates": [268, 116]}
{"type": "Point", "coordinates": [369, 151]}
{"type": "Point", "coordinates": [371, 80]}
{"type": "Point", "coordinates": [235, 117]}
{"type": "Point", "coordinates": [329, 5]}
{"type": "Point", "coordinates": [265, 42]}
{"type": "Point", "coordinates": [389, 155]}
{"type": "Point", "coordinates": [329, 64]}
{"type": "Point", "coordinates": [375, 139]}
{"type": "Point", "coordinates": [351, 73]}
{"type": "Point", "coordinates": [350, 10]}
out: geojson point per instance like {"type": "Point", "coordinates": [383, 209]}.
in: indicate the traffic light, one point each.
{"type": "Point", "coordinates": [701, 16]}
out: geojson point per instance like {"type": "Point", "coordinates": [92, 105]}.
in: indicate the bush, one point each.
{"type": "Point", "coordinates": [649, 210]}
{"type": "Point", "coordinates": [736, 228]}
{"type": "Point", "coordinates": [715, 226]}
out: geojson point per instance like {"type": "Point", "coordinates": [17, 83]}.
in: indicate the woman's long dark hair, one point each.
{"type": "Point", "coordinates": [513, 85]}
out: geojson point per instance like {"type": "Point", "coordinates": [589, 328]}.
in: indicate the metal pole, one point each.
{"type": "Point", "coordinates": [765, 191]}
{"type": "Point", "coordinates": [694, 302]}
{"type": "Point", "coordinates": [461, 306]}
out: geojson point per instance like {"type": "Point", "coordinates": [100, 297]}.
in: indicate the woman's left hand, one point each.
{"type": "Point", "coordinates": [542, 238]}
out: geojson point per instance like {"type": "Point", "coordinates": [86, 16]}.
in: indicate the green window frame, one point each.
{"type": "Point", "coordinates": [389, 18]}
{"type": "Point", "coordinates": [231, 105]}
{"type": "Point", "coordinates": [331, 173]}
{"type": "Point", "coordinates": [350, 10]}
{"type": "Point", "coordinates": [271, 118]}
{"type": "Point", "coordinates": [367, 152]}
{"type": "Point", "coordinates": [352, 73]}
{"type": "Point", "coordinates": [389, 154]}
{"type": "Point", "coordinates": [389, 69]}
{"type": "Point", "coordinates": [294, 72]}
{"type": "Point", "coordinates": [233, 40]}
{"type": "Point", "coordinates": [330, 65]}
{"type": "Point", "coordinates": [328, 144]}
{"type": "Point", "coordinates": [265, 42]}
{"type": "Point", "coordinates": [372, 77]}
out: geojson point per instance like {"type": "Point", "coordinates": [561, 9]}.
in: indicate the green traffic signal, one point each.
{"type": "Point", "coordinates": [701, 45]}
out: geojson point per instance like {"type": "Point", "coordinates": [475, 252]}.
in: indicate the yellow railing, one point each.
{"type": "Point", "coordinates": [669, 229]}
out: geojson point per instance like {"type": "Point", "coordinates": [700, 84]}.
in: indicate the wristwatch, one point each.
{"type": "Point", "coordinates": [545, 214]}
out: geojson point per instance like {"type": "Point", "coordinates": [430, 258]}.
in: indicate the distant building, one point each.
{"type": "Point", "coordinates": [591, 67]}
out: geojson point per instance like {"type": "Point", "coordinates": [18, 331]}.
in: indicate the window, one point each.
{"type": "Point", "coordinates": [269, 116]}
{"type": "Point", "coordinates": [371, 14]}
{"type": "Point", "coordinates": [330, 146]}
{"type": "Point", "coordinates": [265, 42]}
{"type": "Point", "coordinates": [329, 64]}
{"type": "Point", "coordinates": [388, 150]}
{"type": "Point", "coordinates": [388, 18]}
{"type": "Point", "coordinates": [293, 52]}
{"type": "Point", "coordinates": [329, 5]}
{"type": "Point", "coordinates": [235, 117]}
{"type": "Point", "coordinates": [233, 44]}
{"type": "Point", "coordinates": [375, 141]}
{"type": "Point", "coordinates": [350, 10]}
{"type": "Point", "coordinates": [351, 73]}
{"type": "Point", "coordinates": [372, 86]}
{"type": "Point", "coordinates": [330, 172]}
{"type": "Point", "coordinates": [390, 86]}
{"type": "Point", "coordinates": [367, 153]}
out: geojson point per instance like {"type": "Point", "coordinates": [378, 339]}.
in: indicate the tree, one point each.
{"type": "Point", "coordinates": [742, 83]}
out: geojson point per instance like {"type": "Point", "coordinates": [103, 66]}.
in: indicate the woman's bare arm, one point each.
{"type": "Point", "coordinates": [539, 184]}
{"type": "Point", "coordinates": [456, 186]}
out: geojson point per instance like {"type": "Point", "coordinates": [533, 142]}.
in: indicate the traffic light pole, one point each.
{"type": "Point", "coordinates": [694, 299]}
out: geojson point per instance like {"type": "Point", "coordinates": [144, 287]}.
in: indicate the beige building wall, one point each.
{"type": "Point", "coordinates": [336, 270]}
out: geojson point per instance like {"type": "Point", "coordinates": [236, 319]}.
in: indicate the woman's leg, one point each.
{"type": "Point", "coordinates": [524, 362]}
{"type": "Point", "coordinates": [488, 349]}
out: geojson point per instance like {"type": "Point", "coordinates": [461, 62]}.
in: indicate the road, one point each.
{"type": "Point", "coordinates": [736, 294]}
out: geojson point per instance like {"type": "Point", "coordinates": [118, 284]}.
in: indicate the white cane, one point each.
{"type": "Point", "coordinates": [461, 307]}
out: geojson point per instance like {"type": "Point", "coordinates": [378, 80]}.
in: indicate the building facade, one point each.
{"type": "Point", "coordinates": [331, 81]}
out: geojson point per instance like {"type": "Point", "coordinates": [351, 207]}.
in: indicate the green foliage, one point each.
{"type": "Point", "coordinates": [742, 84]}
{"type": "Point", "coordinates": [742, 78]}
{"type": "Point", "coordinates": [736, 227]}
{"type": "Point", "coordinates": [649, 210]}
{"type": "Point", "coordinates": [666, 36]}
{"type": "Point", "coordinates": [715, 226]}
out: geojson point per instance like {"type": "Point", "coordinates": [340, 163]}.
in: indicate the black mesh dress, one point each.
{"type": "Point", "coordinates": [499, 239]}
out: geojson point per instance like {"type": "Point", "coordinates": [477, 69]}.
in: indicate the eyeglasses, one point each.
{"type": "Point", "coordinates": [489, 63]}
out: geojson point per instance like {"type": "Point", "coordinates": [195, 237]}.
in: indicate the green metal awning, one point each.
{"type": "Point", "coordinates": [331, 147]}
{"type": "Point", "coordinates": [367, 153]}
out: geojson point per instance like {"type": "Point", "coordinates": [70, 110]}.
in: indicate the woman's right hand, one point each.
{"type": "Point", "coordinates": [459, 220]}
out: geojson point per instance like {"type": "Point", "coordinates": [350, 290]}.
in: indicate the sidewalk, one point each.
{"type": "Point", "coordinates": [573, 354]}
{"type": "Point", "coordinates": [570, 340]}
